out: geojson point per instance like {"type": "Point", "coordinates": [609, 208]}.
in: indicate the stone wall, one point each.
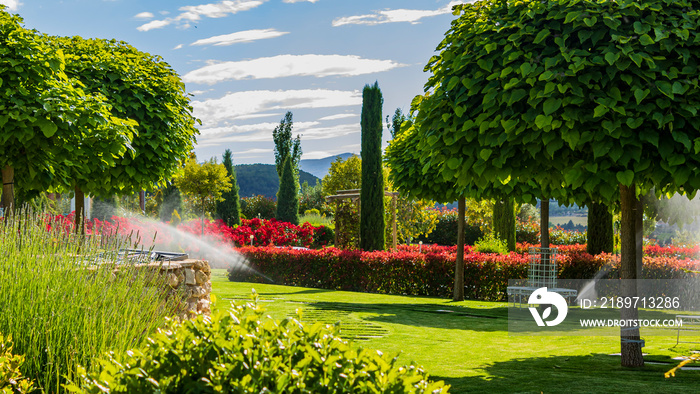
{"type": "Point", "coordinates": [190, 281]}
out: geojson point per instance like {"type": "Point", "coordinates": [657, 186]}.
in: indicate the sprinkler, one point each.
{"type": "Point", "coordinates": [420, 246]}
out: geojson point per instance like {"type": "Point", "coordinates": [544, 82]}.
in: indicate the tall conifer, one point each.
{"type": "Point", "coordinates": [229, 210]}
{"type": "Point", "coordinates": [372, 194]}
{"type": "Point", "coordinates": [288, 195]}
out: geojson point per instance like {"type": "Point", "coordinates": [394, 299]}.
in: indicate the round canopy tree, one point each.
{"type": "Point", "coordinates": [604, 93]}
{"type": "Point", "coordinates": [47, 119]}
{"type": "Point", "coordinates": [142, 88]}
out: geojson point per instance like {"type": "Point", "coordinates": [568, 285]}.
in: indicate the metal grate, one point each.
{"type": "Point", "coordinates": [542, 271]}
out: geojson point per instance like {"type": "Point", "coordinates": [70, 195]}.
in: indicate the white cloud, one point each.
{"type": "Point", "coordinates": [153, 25]}
{"type": "Point", "coordinates": [262, 132]}
{"type": "Point", "coordinates": [240, 37]}
{"type": "Point", "coordinates": [144, 15]}
{"type": "Point", "coordinates": [266, 127]}
{"type": "Point", "coordinates": [289, 65]}
{"type": "Point", "coordinates": [392, 16]}
{"type": "Point", "coordinates": [244, 104]}
{"type": "Point", "coordinates": [194, 13]}
{"type": "Point", "coordinates": [338, 116]}
{"type": "Point", "coordinates": [299, 1]}
{"type": "Point", "coordinates": [12, 5]}
{"type": "Point", "coordinates": [179, 46]}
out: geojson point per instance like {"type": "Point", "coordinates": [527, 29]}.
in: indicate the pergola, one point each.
{"type": "Point", "coordinates": [354, 196]}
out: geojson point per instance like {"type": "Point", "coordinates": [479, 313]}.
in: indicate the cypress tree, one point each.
{"type": "Point", "coordinates": [372, 194]}
{"type": "Point", "coordinates": [600, 229]}
{"type": "Point", "coordinates": [504, 221]}
{"type": "Point", "coordinates": [288, 195]}
{"type": "Point", "coordinates": [229, 210]}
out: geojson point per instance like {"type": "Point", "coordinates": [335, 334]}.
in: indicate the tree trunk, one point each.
{"type": "Point", "coordinates": [600, 230]}
{"type": "Point", "coordinates": [544, 223]}
{"type": "Point", "coordinates": [8, 188]}
{"type": "Point", "coordinates": [79, 211]}
{"type": "Point", "coordinates": [459, 264]}
{"type": "Point", "coordinates": [630, 344]}
{"type": "Point", "coordinates": [639, 231]}
{"type": "Point", "coordinates": [142, 201]}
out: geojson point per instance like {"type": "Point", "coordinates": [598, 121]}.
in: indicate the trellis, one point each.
{"type": "Point", "coordinates": [354, 196]}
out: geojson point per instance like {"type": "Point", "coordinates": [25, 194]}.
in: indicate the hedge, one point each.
{"type": "Point", "coordinates": [431, 271]}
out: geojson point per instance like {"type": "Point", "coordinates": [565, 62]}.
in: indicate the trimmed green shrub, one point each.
{"type": "Point", "coordinates": [490, 244]}
{"type": "Point", "coordinates": [288, 195]}
{"type": "Point", "coordinates": [240, 351]}
{"type": "Point", "coordinates": [11, 380]}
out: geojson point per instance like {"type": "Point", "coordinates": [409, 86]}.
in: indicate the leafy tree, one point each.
{"type": "Point", "coordinates": [142, 88]}
{"type": "Point", "coordinates": [204, 182]}
{"type": "Point", "coordinates": [288, 195]}
{"type": "Point", "coordinates": [285, 146]}
{"type": "Point", "coordinates": [51, 128]}
{"type": "Point", "coordinates": [602, 92]}
{"type": "Point", "coordinates": [343, 175]}
{"type": "Point", "coordinates": [229, 210]}
{"type": "Point", "coordinates": [372, 192]}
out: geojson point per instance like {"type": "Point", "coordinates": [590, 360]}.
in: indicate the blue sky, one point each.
{"type": "Point", "coordinates": [247, 62]}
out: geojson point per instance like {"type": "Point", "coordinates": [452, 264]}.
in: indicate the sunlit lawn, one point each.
{"type": "Point", "coordinates": [467, 343]}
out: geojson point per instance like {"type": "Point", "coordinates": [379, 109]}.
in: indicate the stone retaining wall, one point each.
{"type": "Point", "coordinates": [190, 280]}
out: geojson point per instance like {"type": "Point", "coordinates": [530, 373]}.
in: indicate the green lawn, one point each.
{"type": "Point", "coordinates": [467, 343]}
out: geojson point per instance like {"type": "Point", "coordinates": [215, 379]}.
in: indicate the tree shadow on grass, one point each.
{"type": "Point", "coordinates": [595, 373]}
{"type": "Point", "coordinates": [424, 315]}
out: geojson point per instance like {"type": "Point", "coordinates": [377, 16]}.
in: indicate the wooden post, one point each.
{"type": "Point", "coordinates": [337, 224]}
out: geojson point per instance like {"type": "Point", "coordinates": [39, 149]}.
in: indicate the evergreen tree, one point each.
{"type": "Point", "coordinates": [229, 210]}
{"type": "Point", "coordinates": [504, 221]}
{"type": "Point", "coordinates": [286, 146]}
{"type": "Point", "coordinates": [372, 192]}
{"type": "Point", "coordinates": [288, 195]}
{"type": "Point", "coordinates": [172, 202]}
{"type": "Point", "coordinates": [600, 229]}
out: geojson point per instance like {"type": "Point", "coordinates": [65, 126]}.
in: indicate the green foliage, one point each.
{"type": "Point", "coordinates": [491, 244]}
{"type": "Point", "coordinates": [343, 175]}
{"type": "Point", "coordinates": [203, 182]}
{"type": "Point", "coordinates": [143, 88]}
{"type": "Point", "coordinates": [171, 202]}
{"type": "Point", "coordinates": [54, 131]}
{"type": "Point", "coordinates": [288, 195]}
{"type": "Point", "coordinates": [258, 206]}
{"type": "Point", "coordinates": [600, 229]}
{"type": "Point", "coordinates": [372, 226]}
{"type": "Point", "coordinates": [229, 209]}
{"type": "Point", "coordinates": [61, 311]}
{"type": "Point", "coordinates": [323, 236]}
{"type": "Point", "coordinates": [241, 351]}
{"type": "Point", "coordinates": [414, 218]}
{"type": "Point", "coordinates": [285, 146]}
{"type": "Point", "coordinates": [347, 224]}
{"type": "Point", "coordinates": [11, 380]}
{"type": "Point", "coordinates": [312, 198]}
{"type": "Point", "coordinates": [504, 222]}
{"type": "Point", "coordinates": [445, 232]}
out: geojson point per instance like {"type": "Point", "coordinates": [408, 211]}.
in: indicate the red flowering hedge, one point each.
{"type": "Point", "coordinates": [431, 272]}
{"type": "Point", "coordinates": [264, 232]}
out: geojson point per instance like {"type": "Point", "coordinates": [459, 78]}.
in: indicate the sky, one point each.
{"type": "Point", "coordinates": [247, 62]}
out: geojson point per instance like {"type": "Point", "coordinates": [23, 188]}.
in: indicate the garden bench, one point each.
{"type": "Point", "coordinates": [542, 272]}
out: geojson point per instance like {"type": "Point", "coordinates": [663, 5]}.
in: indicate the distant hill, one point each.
{"type": "Point", "coordinates": [254, 179]}
{"type": "Point", "coordinates": [319, 167]}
